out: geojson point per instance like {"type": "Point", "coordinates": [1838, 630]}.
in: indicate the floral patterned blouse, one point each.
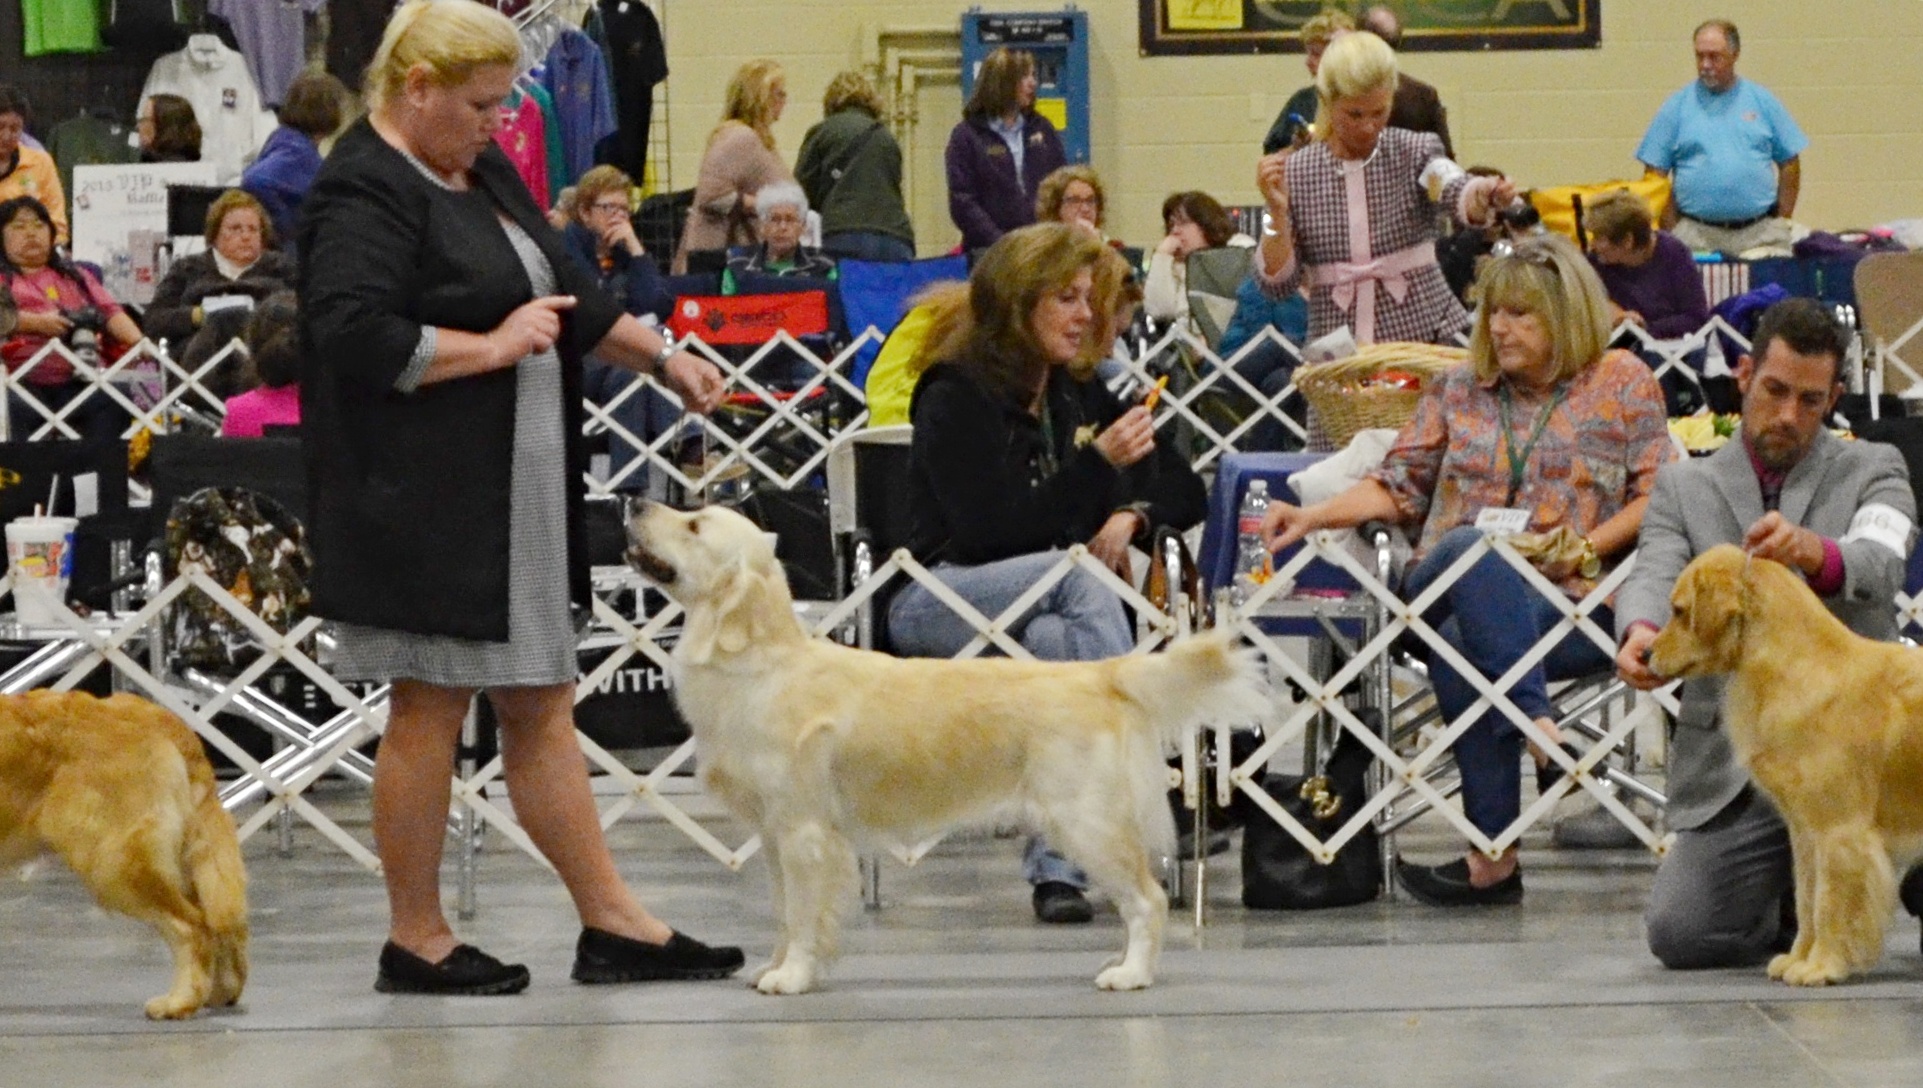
{"type": "Point", "coordinates": [1598, 450]}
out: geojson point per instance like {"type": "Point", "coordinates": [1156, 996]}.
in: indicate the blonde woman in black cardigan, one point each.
{"type": "Point", "coordinates": [443, 333]}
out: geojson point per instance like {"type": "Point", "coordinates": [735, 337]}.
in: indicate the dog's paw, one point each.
{"type": "Point", "coordinates": [169, 1007]}
{"type": "Point", "coordinates": [1814, 972]}
{"type": "Point", "coordinates": [1781, 963]}
{"type": "Point", "coordinates": [1124, 977]}
{"type": "Point", "coordinates": [789, 978]}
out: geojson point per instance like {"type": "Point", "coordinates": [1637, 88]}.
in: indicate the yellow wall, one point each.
{"type": "Point", "coordinates": [1850, 72]}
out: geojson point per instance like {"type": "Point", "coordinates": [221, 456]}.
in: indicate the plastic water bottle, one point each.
{"type": "Point", "coordinates": [1252, 562]}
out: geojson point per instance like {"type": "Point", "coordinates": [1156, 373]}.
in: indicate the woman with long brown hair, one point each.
{"type": "Point", "coordinates": [1019, 454]}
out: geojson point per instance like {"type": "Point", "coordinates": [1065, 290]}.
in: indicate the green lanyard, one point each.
{"type": "Point", "coordinates": [1519, 458]}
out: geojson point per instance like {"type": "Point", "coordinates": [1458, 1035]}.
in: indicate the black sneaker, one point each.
{"type": "Point", "coordinates": [600, 957]}
{"type": "Point", "coordinates": [1448, 885]}
{"type": "Point", "coordinates": [467, 971]}
{"type": "Point", "coordinates": [1061, 904]}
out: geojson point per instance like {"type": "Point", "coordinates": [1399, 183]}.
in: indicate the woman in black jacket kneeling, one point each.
{"type": "Point", "coordinates": [1018, 454]}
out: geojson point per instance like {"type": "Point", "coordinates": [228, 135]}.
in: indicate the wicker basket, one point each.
{"type": "Point", "coordinates": [1346, 396]}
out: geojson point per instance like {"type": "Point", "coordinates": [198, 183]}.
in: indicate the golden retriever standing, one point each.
{"type": "Point", "coordinates": [120, 789]}
{"type": "Point", "coordinates": [1830, 724]}
{"type": "Point", "coordinates": [818, 746]}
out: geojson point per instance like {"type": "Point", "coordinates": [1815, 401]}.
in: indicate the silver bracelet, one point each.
{"type": "Point", "coordinates": [668, 351]}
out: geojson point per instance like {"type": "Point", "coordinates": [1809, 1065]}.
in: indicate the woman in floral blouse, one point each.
{"type": "Point", "coordinates": [1544, 421]}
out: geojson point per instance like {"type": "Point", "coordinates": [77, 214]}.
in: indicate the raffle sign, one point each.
{"type": "Point", "coordinates": [120, 221]}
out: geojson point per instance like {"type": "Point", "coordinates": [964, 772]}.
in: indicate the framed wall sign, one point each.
{"type": "Point", "coordinates": [1189, 27]}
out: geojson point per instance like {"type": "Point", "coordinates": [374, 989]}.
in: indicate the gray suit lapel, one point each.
{"type": "Point", "coordinates": [1736, 479]}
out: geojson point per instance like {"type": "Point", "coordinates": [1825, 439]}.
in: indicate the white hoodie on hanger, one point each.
{"type": "Point", "coordinates": [215, 79]}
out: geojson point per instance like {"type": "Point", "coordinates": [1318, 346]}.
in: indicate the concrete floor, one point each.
{"type": "Point", "coordinates": [952, 983]}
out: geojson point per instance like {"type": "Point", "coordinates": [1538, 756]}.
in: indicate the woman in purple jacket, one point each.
{"type": "Point", "coordinates": [1000, 152]}
{"type": "Point", "coordinates": [1650, 276]}
{"type": "Point", "coordinates": [1653, 284]}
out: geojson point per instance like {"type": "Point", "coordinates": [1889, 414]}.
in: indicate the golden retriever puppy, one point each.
{"type": "Point", "coordinates": [1830, 725]}
{"type": "Point", "coordinates": [120, 789]}
{"type": "Point", "coordinates": [819, 747]}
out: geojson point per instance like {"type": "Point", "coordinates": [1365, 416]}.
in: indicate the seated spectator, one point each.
{"type": "Point", "coordinates": [1268, 365]}
{"type": "Point", "coordinates": [272, 371]}
{"type": "Point", "coordinates": [781, 215]}
{"type": "Point", "coordinates": [600, 237]}
{"type": "Point", "coordinates": [26, 170]}
{"type": "Point", "coordinates": [1652, 282]}
{"type": "Point", "coordinates": [237, 261]}
{"type": "Point", "coordinates": [1073, 195]}
{"type": "Point", "coordinates": [1116, 300]}
{"type": "Point", "coordinates": [281, 174]}
{"type": "Point", "coordinates": [1543, 419]}
{"type": "Point", "coordinates": [1194, 221]}
{"type": "Point", "coordinates": [920, 337]}
{"type": "Point", "coordinates": [56, 299]}
{"type": "Point", "coordinates": [1651, 277]}
{"type": "Point", "coordinates": [1018, 454]}
{"type": "Point", "coordinates": [167, 129]}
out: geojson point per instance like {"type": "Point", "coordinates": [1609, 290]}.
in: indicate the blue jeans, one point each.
{"type": "Point", "coordinates": [867, 245]}
{"type": "Point", "coordinates": [1078, 619]}
{"type": "Point", "coordinates": [1492, 617]}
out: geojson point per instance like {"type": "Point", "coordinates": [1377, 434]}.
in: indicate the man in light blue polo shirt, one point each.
{"type": "Point", "coordinates": [1733, 152]}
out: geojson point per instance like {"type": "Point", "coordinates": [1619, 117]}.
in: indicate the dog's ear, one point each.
{"type": "Point", "coordinates": [736, 613]}
{"type": "Point", "coordinates": [1715, 601]}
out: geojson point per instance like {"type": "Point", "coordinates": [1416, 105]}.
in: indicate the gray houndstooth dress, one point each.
{"type": "Point", "coordinates": [541, 638]}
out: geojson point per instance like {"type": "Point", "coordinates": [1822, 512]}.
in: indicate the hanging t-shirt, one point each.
{"type": "Point", "coordinates": [60, 26]}
{"type": "Point", "coordinates": [640, 62]}
{"type": "Point", "coordinates": [524, 138]}
{"type": "Point", "coordinates": [146, 25]}
{"type": "Point", "coordinates": [550, 140]}
{"type": "Point", "coordinates": [272, 36]}
{"type": "Point", "coordinates": [577, 79]}
{"type": "Point", "coordinates": [354, 30]}
{"type": "Point", "coordinates": [215, 80]}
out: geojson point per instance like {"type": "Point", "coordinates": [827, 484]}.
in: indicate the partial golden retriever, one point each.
{"type": "Point", "coordinates": [120, 789]}
{"type": "Point", "coordinates": [1830, 724]}
{"type": "Point", "coordinates": [819, 747]}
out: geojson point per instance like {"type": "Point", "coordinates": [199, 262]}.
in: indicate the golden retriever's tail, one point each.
{"type": "Point", "coordinates": [211, 858]}
{"type": "Point", "coordinates": [1207, 679]}
{"type": "Point", "coordinates": [1203, 680]}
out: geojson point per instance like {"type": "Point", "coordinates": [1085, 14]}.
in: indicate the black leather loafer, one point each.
{"type": "Point", "coordinates": [601, 957]}
{"type": "Point", "coordinates": [467, 971]}
{"type": "Point", "coordinates": [1448, 885]}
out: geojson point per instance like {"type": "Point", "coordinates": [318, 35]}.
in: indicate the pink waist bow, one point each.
{"type": "Point", "coordinates": [1353, 286]}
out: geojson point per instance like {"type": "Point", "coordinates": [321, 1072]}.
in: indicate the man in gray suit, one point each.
{"type": "Point", "coordinates": [1840, 512]}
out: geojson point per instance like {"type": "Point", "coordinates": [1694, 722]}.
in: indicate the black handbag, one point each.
{"type": "Point", "coordinates": [1278, 874]}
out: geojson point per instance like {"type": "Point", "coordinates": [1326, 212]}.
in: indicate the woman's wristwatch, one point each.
{"type": "Point", "coordinates": [668, 351]}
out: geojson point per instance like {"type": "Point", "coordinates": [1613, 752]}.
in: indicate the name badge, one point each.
{"type": "Point", "coordinates": [1502, 521]}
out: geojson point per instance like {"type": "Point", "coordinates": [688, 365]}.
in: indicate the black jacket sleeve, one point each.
{"type": "Point", "coordinates": [362, 240]}
{"type": "Point", "coordinates": [1161, 486]}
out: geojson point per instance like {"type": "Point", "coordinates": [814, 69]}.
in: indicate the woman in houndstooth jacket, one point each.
{"type": "Point", "coordinates": [1355, 211]}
